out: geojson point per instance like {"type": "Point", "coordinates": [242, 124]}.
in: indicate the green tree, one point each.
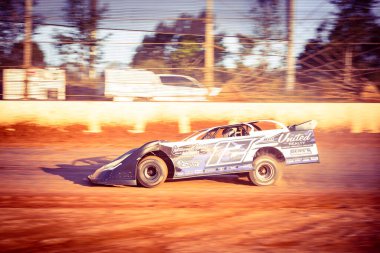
{"type": "Point", "coordinates": [178, 45]}
{"type": "Point", "coordinates": [346, 51]}
{"type": "Point", "coordinates": [256, 76]}
{"type": "Point", "coordinates": [11, 32]}
{"type": "Point", "coordinates": [246, 45]}
{"type": "Point", "coordinates": [74, 45]}
{"type": "Point", "coordinates": [17, 53]}
{"type": "Point", "coordinates": [269, 27]}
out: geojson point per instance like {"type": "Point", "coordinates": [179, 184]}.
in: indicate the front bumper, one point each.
{"type": "Point", "coordinates": [122, 170]}
{"type": "Point", "coordinates": [130, 182]}
{"type": "Point", "coordinates": [118, 175]}
{"type": "Point", "coordinates": [104, 179]}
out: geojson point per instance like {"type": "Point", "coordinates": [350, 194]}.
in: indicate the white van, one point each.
{"type": "Point", "coordinates": [144, 85]}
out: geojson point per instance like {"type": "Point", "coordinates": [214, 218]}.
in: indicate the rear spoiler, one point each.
{"type": "Point", "coordinates": [308, 125]}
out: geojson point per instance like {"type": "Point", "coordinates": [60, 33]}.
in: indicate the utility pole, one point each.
{"type": "Point", "coordinates": [27, 43]}
{"type": "Point", "coordinates": [290, 72]}
{"type": "Point", "coordinates": [92, 71]}
{"type": "Point", "coordinates": [209, 46]}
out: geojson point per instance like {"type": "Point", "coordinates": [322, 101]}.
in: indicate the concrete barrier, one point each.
{"type": "Point", "coordinates": [355, 117]}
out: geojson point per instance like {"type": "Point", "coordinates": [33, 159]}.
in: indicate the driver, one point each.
{"type": "Point", "coordinates": [228, 132]}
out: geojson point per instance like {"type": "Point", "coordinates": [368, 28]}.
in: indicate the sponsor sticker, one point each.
{"type": "Point", "coordinates": [291, 139]}
{"type": "Point", "coordinates": [186, 164]}
{"type": "Point", "coordinates": [300, 151]}
{"type": "Point", "coordinates": [298, 160]}
{"type": "Point", "coordinates": [296, 139]}
{"type": "Point", "coordinates": [189, 150]}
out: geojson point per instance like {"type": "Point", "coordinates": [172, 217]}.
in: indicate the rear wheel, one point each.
{"type": "Point", "coordinates": [152, 171]}
{"type": "Point", "coordinates": [266, 170]}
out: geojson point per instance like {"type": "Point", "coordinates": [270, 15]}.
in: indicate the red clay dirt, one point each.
{"type": "Point", "coordinates": [47, 205]}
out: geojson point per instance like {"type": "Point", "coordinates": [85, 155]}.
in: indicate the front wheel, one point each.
{"type": "Point", "coordinates": [152, 171]}
{"type": "Point", "coordinates": [266, 171]}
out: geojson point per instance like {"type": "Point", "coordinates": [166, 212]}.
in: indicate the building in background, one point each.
{"type": "Point", "coordinates": [37, 84]}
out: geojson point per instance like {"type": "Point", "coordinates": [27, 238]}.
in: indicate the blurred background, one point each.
{"type": "Point", "coordinates": [200, 50]}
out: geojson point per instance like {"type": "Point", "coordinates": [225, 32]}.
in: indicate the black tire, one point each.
{"type": "Point", "coordinates": [267, 170]}
{"type": "Point", "coordinates": [151, 171]}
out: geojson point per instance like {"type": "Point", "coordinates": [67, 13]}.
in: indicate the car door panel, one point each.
{"type": "Point", "coordinates": [213, 156]}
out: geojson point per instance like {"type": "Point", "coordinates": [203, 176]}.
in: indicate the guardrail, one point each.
{"type": "Point", "coordinates": [355, 117]}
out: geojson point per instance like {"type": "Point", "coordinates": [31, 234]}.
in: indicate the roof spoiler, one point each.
{"type": "Point", "coordinates": [308, 125]}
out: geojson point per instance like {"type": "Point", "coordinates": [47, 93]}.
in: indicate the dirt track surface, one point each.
{"type": "Point", "coordinates": [47, 205]}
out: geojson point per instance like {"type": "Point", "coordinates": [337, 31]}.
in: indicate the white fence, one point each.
{"type": "Point", "coordinates": [355, 117]}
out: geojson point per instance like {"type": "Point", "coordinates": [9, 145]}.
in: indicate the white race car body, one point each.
{"type": "Point", "coordinates": [218, 150]}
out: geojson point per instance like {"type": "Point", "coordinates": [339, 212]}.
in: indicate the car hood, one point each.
{"type": "Point", "coordinates": [122, 170]}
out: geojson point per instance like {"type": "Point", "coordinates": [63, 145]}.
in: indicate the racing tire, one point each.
{"type": "Point", "coordinates": [151, 171]}
{"type": "Point", "coordinates": [267, 170]}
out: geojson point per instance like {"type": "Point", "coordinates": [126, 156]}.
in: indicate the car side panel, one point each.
{"type": "Point", "coordinates": [298, 147]}
{"type": "Point", "coordinates": [216, 156]}
{"type": "Point", "coordinates": [234, 155]}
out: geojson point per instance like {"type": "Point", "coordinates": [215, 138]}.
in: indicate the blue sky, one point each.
{"type": "Point", "coordinates": [308, 15]}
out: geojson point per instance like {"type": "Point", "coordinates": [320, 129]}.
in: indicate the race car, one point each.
{"type": "Point", "coordinates": [256, 149]}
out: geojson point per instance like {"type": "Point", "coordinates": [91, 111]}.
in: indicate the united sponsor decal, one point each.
{"type": "Point", "coordinates": [296, 139]}
{"type": "Point", "coordinates": [291, 139]}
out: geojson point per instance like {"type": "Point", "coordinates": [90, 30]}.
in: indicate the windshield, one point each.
{"type": "Point", "coordinates": [238, 130]}
{"type": "Point", "coordinates": [178, 81]}
{"type": "Point", "coordinates": [265, 125]}
{"type": "Point", "coordinates": [200, 133]}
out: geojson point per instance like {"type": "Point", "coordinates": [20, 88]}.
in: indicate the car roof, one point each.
{"type": "Point", "coordinates": [238, 124]}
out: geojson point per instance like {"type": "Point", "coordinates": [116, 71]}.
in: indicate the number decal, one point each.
{"type": "Point", "coordinates": [229, 152]}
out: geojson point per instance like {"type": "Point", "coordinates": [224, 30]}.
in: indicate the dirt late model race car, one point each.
{"type": "Point", "coordinates": [257, 149]}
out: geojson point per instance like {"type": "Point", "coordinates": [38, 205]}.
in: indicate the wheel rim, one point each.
{"type": "Point", "coordinates": [151, 172]}
{"type": "Point", "coordinates": [265, 172]}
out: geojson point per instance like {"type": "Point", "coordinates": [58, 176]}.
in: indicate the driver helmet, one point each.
{"type": "Point", "coordinates": [228, 132]}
